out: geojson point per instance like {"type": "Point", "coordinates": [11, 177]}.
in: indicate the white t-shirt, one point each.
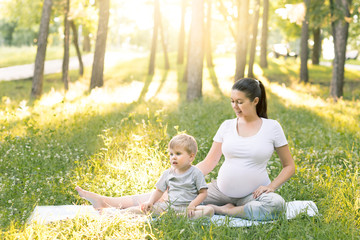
{"type": "Point", "coordinates": [244, 168]}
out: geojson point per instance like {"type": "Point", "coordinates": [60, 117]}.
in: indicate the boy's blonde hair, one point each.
{"type": "Point", "coordinates": [185, 141]}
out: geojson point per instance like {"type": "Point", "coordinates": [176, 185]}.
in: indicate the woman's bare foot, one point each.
{"type": "Point", "coordinates": [222, 210]}
{"type": "Point", "coordinates": [95, 199]}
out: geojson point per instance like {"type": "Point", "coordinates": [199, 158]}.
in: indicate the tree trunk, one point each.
{"type": "Point", "coordinates": [163, 42]}
{"type": "Point", "coordinates": [195, 57]}
{"type": "Point", "coordinates": [264, 35]}
{"type": "Point", "coordinates": [181, 47]}
{"type": "Point", "coordinates": [37, 83]}
{"type": "Point", "coordinates": [317, 46]}
{"type": "Point", "coordinates": [242, 38]}
{"type": "Point", "coordinates": [340, 28]}
{"type": "Point", "coordinates": [253, 42]}
{"type": "Point", "coordinates": [86, 42]}
{"type": "Point", "coordinates": [154, 38]}
{"type": "Point", "coordinates": [100, 46]}
{"type": "Point", "coordinates": [65, 65]}
{"type": "Point", "coordinates": [208, 50]}
{"type": "Point", "coordinates": [304, 49]}
{"type": "Point", "coordinates": [76, 44]}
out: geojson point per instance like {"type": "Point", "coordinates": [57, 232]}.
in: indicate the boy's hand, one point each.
{"type": "Point", "coordinates": [146, 207]}
{"type": "Point", "coordinates": [190, 211]}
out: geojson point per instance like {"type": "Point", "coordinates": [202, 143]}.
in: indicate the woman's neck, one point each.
{"type": "Point", "coordinates": [248, 119]}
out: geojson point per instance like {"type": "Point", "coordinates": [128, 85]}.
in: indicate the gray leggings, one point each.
{"type": "Point", "coordinates": [266, 207]}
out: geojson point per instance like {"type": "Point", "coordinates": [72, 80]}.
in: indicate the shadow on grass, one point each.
{"type": "Point", "coordinates": [214, 81]}
{"type": "Point", "coordinates": [145, 88]}
{"type": "Point", "coordinates": [181, 83]}
{"type": "Point", "coordinates": [279, 72]}
{"type": "Point", "coordinates": [282, 72]}
{"type": "Point", "coordinates": [162, 82]}
{"type": "Point", "coordinates": [18, 90]}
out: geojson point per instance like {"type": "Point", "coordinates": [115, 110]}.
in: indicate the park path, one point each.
{"type": "Point", "coordinates": [55, 66]}
{"type": "Point", "coordinates": [111, 58]}
{"type": "Point", "coordinates": [348, 66]}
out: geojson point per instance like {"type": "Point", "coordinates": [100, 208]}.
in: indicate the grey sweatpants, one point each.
{"type": "Point", "coordinates": [265, 207]}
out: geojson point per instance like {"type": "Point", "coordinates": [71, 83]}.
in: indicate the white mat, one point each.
{"type": "Point", "coordinates": [293, 209]}
{"type": "Point", "coordinates": [46, 214]}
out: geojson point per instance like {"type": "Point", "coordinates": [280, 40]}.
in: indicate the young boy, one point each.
{"type": "Point", "coordinates": [185, 184]}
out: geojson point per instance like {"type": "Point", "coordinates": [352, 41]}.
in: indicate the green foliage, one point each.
{"type": "Point", "coordinates": [288, 31]}
{"type": "Point", "coordinates": [117, 148]}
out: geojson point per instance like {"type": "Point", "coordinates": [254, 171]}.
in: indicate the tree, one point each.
{"type": "Point", "coordinates": [264, 35]}
{"type": "Point", "coordinates": [154, 37]}
{"type": "Point", "coordinates": [85, 14]}
{"type": "Point", "coordinates": [242, 38]}
{"type": "Point", "coordinates": [253, 40]}
{"type": "Point", "coordinates": [196, 52]}
{"type": "Point", "coordinates": [340, 14]}
{"type": "Point", "coordinates": [208, 50]}
{"type": "Point", "coordinates": [86, 41]}
{"type": "Point", "coordinates": [226, 15]}
{"type": "Point", "coordinates": [304, 49]}
{"type": "Point", "coordinates": [163, 42]}
{"type": "Point", "coordinates": [157, 26]}
{"type": "Point", "coordinates": [319, 22]}
{"type": "Point", "coordinates": [100, 46]}
{"type": "Point", "coordinates": [65, 65]}
{"type": "Point", "coordinates": [77, 48]}
{"type": "Point", "coordinates": [181, 46]}
{"type": "Point", "coordinates": [317, 46]}
{"type": "Point", "coordinates": [37, 83]}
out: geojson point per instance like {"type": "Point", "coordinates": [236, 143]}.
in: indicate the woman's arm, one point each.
{"type": "Point", "coordinates": [211, 160]}
{"type": "Point", "coordinates": [287, 171]}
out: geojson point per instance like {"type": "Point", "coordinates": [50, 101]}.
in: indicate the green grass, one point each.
{"type": "Point", "coordinates": [287, 72]}
{"type": "Point", "coordinates": [11, 56]}
{"type": "Point", "coordinates": [114, 142]}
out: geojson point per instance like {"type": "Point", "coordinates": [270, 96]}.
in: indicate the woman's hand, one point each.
{"type": "Point", "coordinates": [262, 189]}
{"type": "Point", "coordinates": [146, 207]}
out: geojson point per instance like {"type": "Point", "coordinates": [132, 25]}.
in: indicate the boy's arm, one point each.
{"type": "Point", "coordinates": [155, 196]}
{"type": "Point", "coordinates": [199, 199]}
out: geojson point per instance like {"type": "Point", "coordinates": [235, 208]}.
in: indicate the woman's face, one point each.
{"type": "Point", "coordinates": [242, 105]}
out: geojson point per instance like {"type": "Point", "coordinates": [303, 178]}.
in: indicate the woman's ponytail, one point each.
{"type": "Point", "coordinates": [261, 107]}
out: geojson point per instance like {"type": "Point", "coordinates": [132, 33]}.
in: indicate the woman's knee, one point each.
{"type": "Point", "coordinates": [273, 201]}
{"type": "Point", "coordinates": [268, 206]}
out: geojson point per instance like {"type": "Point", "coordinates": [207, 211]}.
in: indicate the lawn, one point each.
{"type": "Point", "coordinates": [114, 140]}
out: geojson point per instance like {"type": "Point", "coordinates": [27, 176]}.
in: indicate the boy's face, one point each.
{"type": "Point", "coordinates": [180, 159]}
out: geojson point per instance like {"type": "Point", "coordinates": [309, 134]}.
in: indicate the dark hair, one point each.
{"type": "Point", "coordinates": [253, 88]}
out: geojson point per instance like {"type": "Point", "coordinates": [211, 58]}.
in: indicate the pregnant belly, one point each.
{"type": "Point", "coordinates": [238, 181]}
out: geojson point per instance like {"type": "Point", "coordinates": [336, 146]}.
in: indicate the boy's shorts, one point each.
{"type": "Point", "coordinates": [160, 207]}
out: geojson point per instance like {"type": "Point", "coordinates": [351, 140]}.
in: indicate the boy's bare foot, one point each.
{"type": "Point", "coordinates": [95, 199]}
